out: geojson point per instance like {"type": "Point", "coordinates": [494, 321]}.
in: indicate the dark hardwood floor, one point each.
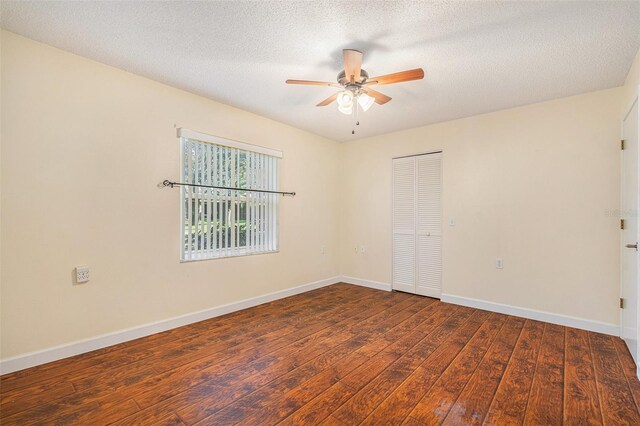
{"type": "Point", "coordinates": [339, 355]}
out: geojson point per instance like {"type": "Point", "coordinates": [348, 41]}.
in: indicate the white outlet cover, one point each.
{"type": "Point", "coordinates": [82, 274]}
{"type": "Point", "coordinates": [499, 263]}
{"type": "Point", "coordinates": [452, 221]}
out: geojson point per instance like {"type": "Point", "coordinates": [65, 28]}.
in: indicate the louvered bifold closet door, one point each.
{"type": "Point", "coordinates": [429, 224]}
{"type": "Point", "coordinates": [404, 248]}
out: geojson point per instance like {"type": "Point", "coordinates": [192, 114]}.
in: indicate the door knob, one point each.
{"type": "Point", "coordinates": [632, 246]}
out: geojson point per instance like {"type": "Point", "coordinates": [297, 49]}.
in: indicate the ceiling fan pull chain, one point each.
{"type": "Point", "coordinates": [354, 117]}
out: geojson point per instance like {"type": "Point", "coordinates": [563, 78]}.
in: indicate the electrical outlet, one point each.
{"type": "Point", "coordinates": [323, 250]}
{"type": "Point", "coordinates": [82, 274]}
{"type": "Point", "coordinates": [452, 221]}
{"type": "Point", "coordinates": [355, 249]}
{"type": "Point", "coordinates": [499, 264]}
{"type": "Point", "coordinates": [362, 249]}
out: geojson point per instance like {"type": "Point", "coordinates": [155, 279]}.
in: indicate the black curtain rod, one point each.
{"type": "Point", "coordinates": [172, 184]}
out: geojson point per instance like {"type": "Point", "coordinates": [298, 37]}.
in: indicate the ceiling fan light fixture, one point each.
{"type": "Point", "coordinates": [355, 84]}
{"type": "Point", "coordinates": [365, 101]}
{"type": "Point", "coordinates": [345, 98]}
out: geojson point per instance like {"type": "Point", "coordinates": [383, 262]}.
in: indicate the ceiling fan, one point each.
{"type": "Point", "coordinates": [356, 84]}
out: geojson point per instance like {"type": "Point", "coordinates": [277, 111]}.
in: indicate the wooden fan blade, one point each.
{"type": "Point", "coordinates": [352, 64]}
{"type": "Point", "coordinates": [398, 77]}
{"type": "Point", "coordinates": [380, 98]}
{"type": "Point", "coordinates": [312, 83]}
{"type": "Point", "coordinates": [328, 100]}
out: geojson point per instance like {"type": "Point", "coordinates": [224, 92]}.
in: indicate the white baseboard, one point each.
{"type": "Point", "coordinates": [569, 321]}
{"type": "Point", "coordinates": [366, 283]}
{"type": "Point", "coordinates": [55, 353]}
{"type": "Point", "coordinates": [32, 359]}
{"type": "Point", "coordinates": [566, 320]}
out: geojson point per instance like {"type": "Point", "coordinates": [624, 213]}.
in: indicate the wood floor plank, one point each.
{"type": "Point", "coordinates": [297, 397]}
{"type": "Point", "coordinates": [581, 402]}
{"type": "Point", "coordinates": [331, 421]}
{"type": "Point", "coordinates": [629, 368]}
{"type": "Point", "coordinates": [25, 398]}
{"type": "Point", "coordinates": [410, 421]}
{"type": "Point", "coordinates": [249, 409]}
{"type": "Point", "coordinates": [127, 354]}
{"type": "Point", "coordinates": [378, 363]}
{"type": "Point", "coordinates": [84, 414]}
{"type": "Point", "coordinates": [260, 406]}
{"type": "Point", "coordinates": [134, 387]}
{"type": "Point", "coordinates": [99, 397]}
{"type": "Point", "coordinates": [473, 403]}
{"type": "Point", "coordinates": [510, 402]}
{"type": "Point", "coordinates": [435, 404]}
{"type": "Point", "coordinates": [330, 399]}
{"type": "Point", "coordinates": [170, 420]}
{"type": "Point", "coordinates": [167, 354]}
{"type": "Point", "coordinates": [43, 371]}
{"type": "Point", "coordinates": [286, 379]}
{"type": "Point", "coordinates": [618, 405]}
{"type": "Point", "coordinates": [546, 399]}
{"type": "Point", "coordinates": [299, 339]}
{"type": "Point", "coordinates": [338, 355]}
{"type": "Point", "coordinates": [280, 406]}
{"type": "Point", "coordinates": [231, 325]}
{"type": "Point", "coordinates": [213, 394]}
{"type": "Point", "coordinates": [370, 396]}
{"type": "Point", "coordinates": [321, 406]}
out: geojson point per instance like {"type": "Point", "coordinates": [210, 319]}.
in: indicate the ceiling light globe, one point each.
{"type": "Point", "coordinates": [365, 101]}
{"type": "Point", "coordinates": [345, 98]}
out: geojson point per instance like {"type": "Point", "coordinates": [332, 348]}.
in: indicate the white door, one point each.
{"type": "Point", "coordinates": [404, 229]}
{"type": "Point", "coordinates": [417, 224]}
{"type": "Point", "coordinates": [429, 225]}
{"type": "Point", "coordinates": [629, 214]}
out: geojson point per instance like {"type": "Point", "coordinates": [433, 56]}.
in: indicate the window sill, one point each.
{"type": "Point", "coordinates": [229, 256]}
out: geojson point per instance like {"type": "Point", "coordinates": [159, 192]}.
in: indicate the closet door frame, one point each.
{"type": "Point", "coordinates": [415, 272]}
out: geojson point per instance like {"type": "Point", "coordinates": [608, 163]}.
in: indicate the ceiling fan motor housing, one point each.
{"type": "Point", "coordinates": [342, 79]}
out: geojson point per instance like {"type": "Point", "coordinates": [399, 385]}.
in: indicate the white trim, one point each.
{"type": "Point", "coordinates": [366, 283]}
{"type": "Point", "coordinates": [429, 292]}
{"type": "Point", "coordinates": [217, 140]}
{"type": "Point", "coordinates": [32, 359]}
{"type": "Point", "coordinates": [566, 320]}
{"type": "Point", "coordinates": [636, 340]}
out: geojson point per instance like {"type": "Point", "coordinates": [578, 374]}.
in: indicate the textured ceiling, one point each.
{"type": "Point", "coordinates": [478, 56]}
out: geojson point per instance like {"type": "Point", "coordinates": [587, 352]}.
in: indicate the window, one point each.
{"type": "Point", "coordinates": [226, 222]}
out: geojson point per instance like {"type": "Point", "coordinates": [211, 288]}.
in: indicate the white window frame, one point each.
{"type": "Point", "coordinates": [270, 234]}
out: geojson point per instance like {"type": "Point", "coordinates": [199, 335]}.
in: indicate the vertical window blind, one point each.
{"type": "Point", "coordinates": [223, 222]}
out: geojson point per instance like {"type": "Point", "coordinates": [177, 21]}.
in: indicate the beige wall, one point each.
{"type": "Point", "coordinates": [83, 147]}
{"type": "Point", "coordinates": [532, 185]}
